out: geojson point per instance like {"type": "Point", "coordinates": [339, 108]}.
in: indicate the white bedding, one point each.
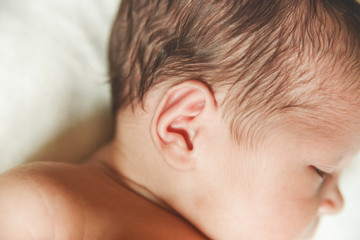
{"type": "Point", "coordinates": [53, 93]}
{"type": "Point", "coordinates": [54, 99]}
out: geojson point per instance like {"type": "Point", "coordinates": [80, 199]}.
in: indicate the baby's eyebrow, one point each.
{"type": "Point", "coordinates": [327, 165]}
{"type": "Point", "coordinates": [345, 161]}
{"type": "Point", "coordinates": [337, 163]}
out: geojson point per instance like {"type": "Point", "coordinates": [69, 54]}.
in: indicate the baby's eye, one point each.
{"type": "Point", "coordinates": [321, 173]}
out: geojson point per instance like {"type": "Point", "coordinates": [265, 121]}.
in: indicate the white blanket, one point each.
{"type": "Point", "coordinates": [54, 96]}
{"type": "Point", "coordinates": [54, 99]}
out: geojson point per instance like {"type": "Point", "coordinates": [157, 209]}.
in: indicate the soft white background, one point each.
{"type": "Point", "coordinates": [54, 96]}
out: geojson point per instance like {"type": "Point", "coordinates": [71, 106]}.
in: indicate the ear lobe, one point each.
{"type": "Point", "coordinates": [178, 120]}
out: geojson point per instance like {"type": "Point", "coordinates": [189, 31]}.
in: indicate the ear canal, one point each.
{"type": "Point", "coordinates": [187, 138]}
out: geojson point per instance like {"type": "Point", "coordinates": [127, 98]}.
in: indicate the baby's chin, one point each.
{"type": "Point", "coordinates": [311, 230]}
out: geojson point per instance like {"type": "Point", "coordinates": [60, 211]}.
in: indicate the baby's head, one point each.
{"type": "Point", "coordinates": [239, 114]}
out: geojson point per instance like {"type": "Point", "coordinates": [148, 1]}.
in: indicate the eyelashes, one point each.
{"type": "Point", "coordinates": [322, 174]}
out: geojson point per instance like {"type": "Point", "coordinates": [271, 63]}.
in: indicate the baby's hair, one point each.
{"type": "Point", "coordinates": [271, 58]}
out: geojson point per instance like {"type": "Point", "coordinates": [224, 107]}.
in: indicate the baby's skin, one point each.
{"type": "Point", "coordinates": [63, 201]}
{"type": "Point", "coordinates": [178, 161]}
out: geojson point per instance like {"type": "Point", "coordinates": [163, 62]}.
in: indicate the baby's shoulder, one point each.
{"type": "Point", "coordinates": [33, 200]}
{"type": "Point", "coordinates": [44, 180]}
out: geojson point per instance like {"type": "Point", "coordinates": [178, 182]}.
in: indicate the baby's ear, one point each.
{"type": "Point", "coordinates": [183, 116]}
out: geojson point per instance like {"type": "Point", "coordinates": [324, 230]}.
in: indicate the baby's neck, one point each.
{"type": "Point", "coordinates": [115, 165]}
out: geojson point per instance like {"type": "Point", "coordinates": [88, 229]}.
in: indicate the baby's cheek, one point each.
{"type": "Point", "coordinates": [292, 219]}
{"type": "Point", "coordinates": [286, 212]}
{"type": "Point", "coordinates": [303, 213]}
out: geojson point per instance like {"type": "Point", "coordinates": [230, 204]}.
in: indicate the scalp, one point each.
{"type": "Point", "coordinates": [271, 57]}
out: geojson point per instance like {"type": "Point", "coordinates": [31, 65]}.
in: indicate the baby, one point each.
{"type": "Point", "coordinates": [234, 119]}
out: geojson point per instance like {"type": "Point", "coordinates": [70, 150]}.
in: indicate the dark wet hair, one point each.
{"type": "Point", "coordinates": [271, 57]}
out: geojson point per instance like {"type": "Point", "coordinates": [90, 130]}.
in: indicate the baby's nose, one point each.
{"type": "Point", "coordinates": [332, 201]}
